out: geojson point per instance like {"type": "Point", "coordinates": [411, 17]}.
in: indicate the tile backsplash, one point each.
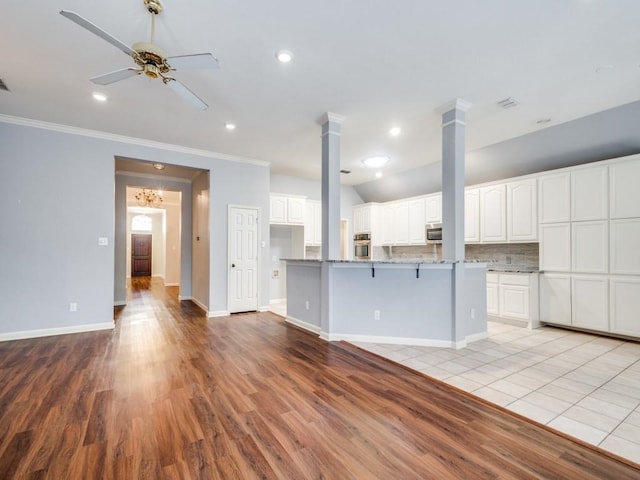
{"type": "Point", "coordinates": [521, 254]}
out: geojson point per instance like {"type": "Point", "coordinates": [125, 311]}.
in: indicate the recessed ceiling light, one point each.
{"type": "Point", "coordinates": [284, 56]}
{"type": "Point", "coordinates": [378, 174]}
{"type": "Point", "coordinates": [100, 97]}
{"type": "Point", "coordinates": [376, 161]}
{"type": "Point", "coordinates": [158, 166]}
{"type": "Point", "coordinates": [395, 131]}
{"type": "Point", "coordinates": [230, 126]}
{"type": "Point", "coordinates": [542, 121]}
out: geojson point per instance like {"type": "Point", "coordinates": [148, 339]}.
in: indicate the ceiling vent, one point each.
{"type": "Point", "coordinates": [346, 172]}
{"type": "Point", "coordinates": [3, 86]}
{"type": "Point", "coordinates": [508, 103]}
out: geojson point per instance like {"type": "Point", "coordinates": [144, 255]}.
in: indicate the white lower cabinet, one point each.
{"type": "Point", "coordinates": [513, 296]}
{"type": "Point", "coordinates": [590, 302]}
{"type": "Point", "coordinates": [624, 294]}
{"type": "Point", "coordinates": [555, 298]}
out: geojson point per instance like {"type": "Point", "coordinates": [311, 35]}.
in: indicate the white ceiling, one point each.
{"type": "Point", "coordinates": [378, 63]}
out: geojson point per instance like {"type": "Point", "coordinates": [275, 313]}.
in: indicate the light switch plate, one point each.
{"type": "Point", "coordinates": [103, 241]}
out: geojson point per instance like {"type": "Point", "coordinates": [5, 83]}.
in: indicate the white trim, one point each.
{"type": "Point", "coordinates": [119, 303]}
{"type": "Point", "coordinates": [264, 309]}
{"type": "Point", "coordinates": [27, 122]}
{"type": "Point", "coordinates": [200, 305]}
{"type": "Point", "coordinates": [174, 284]}
{"type": "Point", "coordinates": [419, 342]}
{"type": "Point", "coordinates": [331, 117]}
{"type": "Point", "coordinates": [218, 313]}
{"type": "Point", "coordinates": [455, 104]}
{"type": "Point", "coordinates": [152, 176]}
{"type": "Point", "coordinates": [47, 332]}
{"type": "Point", "coordinates": [451, 122]}
{"type": "Point", "coordinates": [277, 301]}
{"type": "Point", "coordinates": [302, 324]}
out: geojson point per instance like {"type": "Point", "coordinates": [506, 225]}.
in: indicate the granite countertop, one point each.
{"type": "Point", "coordinates": [511, 268]}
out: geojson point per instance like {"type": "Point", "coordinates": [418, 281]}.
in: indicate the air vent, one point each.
{"type": "Point", "coordinates": [508, 103]}
{"type": "Point", "coordinates": [3, 86]}
{"type": "Point", "coordinates": [346, 172]}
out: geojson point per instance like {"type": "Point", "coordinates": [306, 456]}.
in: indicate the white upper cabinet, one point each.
{"type": "Point", "coordinates": [589, 194]}
{"type": "Point", "coordinates": [493, 214]}
{"type": "Point", "coordinates": [554, 197]}
{"type": "Point", "coordinates": [434, 208]}
{"type": "Point", "coordinates": [522, 211]}
{"type": "Point", "coordinates": [286, 210]}
{"type": "Point", "coordinates": [401, 223]}
{"type": "Point", "coordinates": [417, 221]}
{"type": "Point", "coordinates": [471, 215]}
{"type": "Point", "coordinates": [362, 219]}
{"type": "Point", "coordinates": [590, 247]}
{"type": "Point", "coordinates": [555, 247]}
{"type": "Point", "coordinates": [387, 225]}
{"type": "Point", "coordinates": [624, 182]}
{"type": "Point", "coordinates": [313, 223]}
{"type": "Point", "coordinates": [625, 246]}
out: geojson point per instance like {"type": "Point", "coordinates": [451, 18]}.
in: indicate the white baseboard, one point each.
{"type": "Point", "coordinates": [201, 305]}
{"type": "Point", "coordinates": [302, 324]}
{"type": "Point", "coordinates": [177, 284]}
{"type": "Point", "coordinates": [119, 303]}
{"type": "Point", "coordinates": [47, 332]}
{"type": "Point", "coordinates": [417, 342]}
{"type": "Point", "coordinates": [264, 309]}
{"type": "Point", "coordinates": [277, 301]}
{"type": "Point", "coordinates": [218, 313]}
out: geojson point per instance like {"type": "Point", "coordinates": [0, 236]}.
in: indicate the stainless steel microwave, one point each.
{"type": "Point", "coordinates": [434, 233]}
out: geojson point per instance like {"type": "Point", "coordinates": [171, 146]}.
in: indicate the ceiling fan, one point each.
{"type": "Point", "coordinates": [150, 59]}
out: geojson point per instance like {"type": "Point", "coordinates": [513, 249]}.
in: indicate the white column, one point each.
{"type": "Point", "coordinates": [453, 140]}
{"type": "Point", "coordinates": [331, 125]}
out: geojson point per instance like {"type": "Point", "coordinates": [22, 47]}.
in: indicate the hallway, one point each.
{"type": "Point", "coordinates": [171, 394]}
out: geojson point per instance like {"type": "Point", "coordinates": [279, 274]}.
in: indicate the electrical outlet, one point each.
{"type": "Point", "coordinates": [473, 313]}
{"type": "Point", "coordinates": [306, 304]}
{"type": "Point", "coordinates": [73, 307]}
{"type": "Point", "coordinates": [376, 314]}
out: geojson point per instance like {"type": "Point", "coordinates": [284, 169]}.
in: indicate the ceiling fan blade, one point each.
{"type": "Point", "coordinates": [83, 22]}
{"type": "Point", "coordinates": [186, 94]}
{"type": "Point", "coordinates": [199, 60]}
{"type": "Point", "coordinates": [116, 76]}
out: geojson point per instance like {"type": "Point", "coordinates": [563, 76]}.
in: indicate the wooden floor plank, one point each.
{"type": "Point", "coordinates": [172, 394]}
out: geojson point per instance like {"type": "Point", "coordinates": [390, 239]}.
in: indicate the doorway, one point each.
{"type": "Point", "coordinates": [141, 254]}
{"type": "Point", "coordinates": [243, 259]}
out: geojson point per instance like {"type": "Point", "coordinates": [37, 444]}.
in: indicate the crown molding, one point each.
{"type": "Point", "coordinates": [331, 117]}
{"type": "Point", "coordinates": [56, 127]}
{"type": "Point", "coordinates": [455, 104]}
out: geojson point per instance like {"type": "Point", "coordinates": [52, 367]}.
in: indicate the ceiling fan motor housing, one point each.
{"type": "Point", "coordinates": [154, 6]}
{"type": "Point", "coordinates": [151, 58]}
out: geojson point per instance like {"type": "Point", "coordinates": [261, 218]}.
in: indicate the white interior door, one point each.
{"type": "Point", "coordinates": [243, 259]}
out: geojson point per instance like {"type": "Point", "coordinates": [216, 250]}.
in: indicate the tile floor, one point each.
{"type": "Point", "coordinates": [584, 385]}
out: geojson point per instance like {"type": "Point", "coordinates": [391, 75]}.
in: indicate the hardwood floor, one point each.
{"type": "Point", "coordinates": [170, 394]}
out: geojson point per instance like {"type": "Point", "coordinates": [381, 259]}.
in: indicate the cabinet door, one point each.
{"type": "Point", "coordinates": [309, 223]}
{"type": "Point", "coordinates": [589, 197]}
{"type": "Point", "coordinates": [624, 179]}
{"type": "Point", "coordinates": [366, 220]}
{"type": "Point", "coordinates": [625, 246]}
{"type": "Point", "coordinates": [514, 301]}
{"type": "Point", "coordinates": [434, 208]}
{"type": "Point", "coordinates": [417, 221]}
{"type": "Point", "coordinates": [387, 225]}
{"type": "Point", "coordinates": [493, 214]}
{"type": "Point", "coordinates": [625, 305]}
{"type": "Point", "coordinates": [555, 247]}
{"type": "Point", "coordinates": [492, 299]}
{"type": "Point", "coordinates": [555, 298]}
{"type": "Point", "coordinates": [590, 302]}
{"type": "Point", "coordinates": [295, 210]}
{"type": "Point", "coordinates": [554, 198]}
{"type": "Point", "coordinates": [401, 223]}
{"type": "Point", "coordinates": [522, 211]}
{"type": "Point", "coordinates": [472, 215]}
{"type": "Point", "coordinates": [590, 247]}
{"type": "Point", "coordinates": [278, 209]}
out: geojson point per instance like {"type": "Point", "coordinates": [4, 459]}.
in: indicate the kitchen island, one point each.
{"type": "Point", "coordinates": [404, 302]}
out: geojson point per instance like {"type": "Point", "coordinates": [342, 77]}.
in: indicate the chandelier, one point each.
{"type": "Point", "coordinates": [148, 198]}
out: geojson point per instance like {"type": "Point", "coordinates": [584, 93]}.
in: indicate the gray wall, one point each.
{"type": "Point", "coordinates": [57, 198]}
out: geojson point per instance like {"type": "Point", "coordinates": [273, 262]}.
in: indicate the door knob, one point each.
{"type": "Point", "coordinates": [233, 265]}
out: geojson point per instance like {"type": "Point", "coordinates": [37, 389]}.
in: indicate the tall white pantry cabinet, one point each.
{"type": "Point", "coordinates": [590, 247]}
